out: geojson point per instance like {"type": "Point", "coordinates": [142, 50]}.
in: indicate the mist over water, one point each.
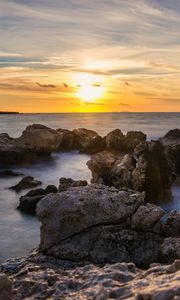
{"type": "Point", "coordinates": [19, 232]}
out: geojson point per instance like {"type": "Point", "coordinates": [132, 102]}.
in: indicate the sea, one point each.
{"type": "Point", "coordinates": [20, 232]}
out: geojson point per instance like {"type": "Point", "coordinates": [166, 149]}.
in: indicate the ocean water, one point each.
{"type": "Point", "coordinates": [19, 232]}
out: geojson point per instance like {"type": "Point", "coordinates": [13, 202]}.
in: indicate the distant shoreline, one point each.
{"type": "Point", "coordinates": [9, 113]}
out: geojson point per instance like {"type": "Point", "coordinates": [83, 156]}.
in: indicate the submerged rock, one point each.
{"type": "Point", "coordinates": [26, 183]}
{"type": "Point", "coordinates": [10, 173]}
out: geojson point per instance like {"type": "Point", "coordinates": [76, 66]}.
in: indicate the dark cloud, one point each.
{"type": "Point", "coordinates": [126, 83]}
{"type": "Point", "coordinates": [96, 85]}
{"type": "Point", "coordinates": [124, 104]}
{"type": "Point", "coordinates": [46, 85]}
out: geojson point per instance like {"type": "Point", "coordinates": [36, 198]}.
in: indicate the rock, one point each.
{"type": "Point", "coordinates": [152, 173]}
{"type": "Point", "coordinates": [146, 169]}
{"type": "Point", "coordinates": [42, 277]}
{"type": "Point", "coordinates": [28, 202]}
{"type": "Point", "coordinates": [26, 183]}
{"type": "Point", "coordinates": [170, 248]}
{"type": "Point", "coordinates": [171, 226]}
{"type": "Point", "coordinates": [115, 140]}
{"type": "Point", "coordinates": [132, 139]}
{"type": "Point", "coordinates": [100, 224]}
{"type": "Point", "coordinates": [65, 183]}
{"type": "Point", "coordinates": [39, 138]}
{"type": "Point", "coordinates": [5, 287]}
{"type": "Point", "coordinates": [101, 165]}
{"type": "Point", "coordinates": [10, 173]}
{"type": "Point", "coordinates": [51, 189]}
{"type": "Point", "coordinates": [171, 142]}
{"type": "Point", "coordinates": [67, 140]}
{"type": "Point", "coordinates": [171, 137]}
{"type": "Point", "coordinates": [88, 141]}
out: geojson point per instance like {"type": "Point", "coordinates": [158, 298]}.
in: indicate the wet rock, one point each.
{"type": "Point", "coordinates": [66, 183]}
{"type": "Point", "coordinates": [5, 287]}
{"type": "Point", "coordinates": [26, 183]}
{"type": "Point", "coordinates": [28, 202]}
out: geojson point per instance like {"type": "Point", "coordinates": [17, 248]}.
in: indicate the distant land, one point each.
{"type": "Point", "coordinates": [8, 112]}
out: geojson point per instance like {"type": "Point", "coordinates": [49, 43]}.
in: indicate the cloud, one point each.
{"type": "Point", "coordinates": [93, 103]}
{"type": "Point", "coordinates": [124, 104]}
{"type": "Point", "coordinates": [46, 85]}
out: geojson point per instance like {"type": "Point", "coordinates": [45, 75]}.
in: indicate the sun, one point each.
{"type": "Point", "coordinates": [89, 88]}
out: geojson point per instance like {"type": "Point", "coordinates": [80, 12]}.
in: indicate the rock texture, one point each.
{"type": "Point", "coordinates": [26, 183]}
{"type": "Point", "coordinates": [145, 169]}
{"type": "Point", "coordinates": [66, 183]}
{"type": "Point", "coordinates": [88, 141]}
{"type": "Point", "coordinates": [5, 287]}
{"type": "Point", "coordinates": [41, 277]}
{"type": "Point", "coordinates": [100, 224]}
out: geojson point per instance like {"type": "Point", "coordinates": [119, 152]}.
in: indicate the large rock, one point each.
{"type": "Point", "coordinates": [146, 169]}
{"type": "Point", "coordinates": [100, 224]}
{"type": "Point", "coordinates": [133, 138]}
{"type": "Point", "coordinates": [39, 138]}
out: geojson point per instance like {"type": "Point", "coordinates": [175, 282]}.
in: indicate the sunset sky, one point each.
{"type": "Point", "coordinates": [89, 56]}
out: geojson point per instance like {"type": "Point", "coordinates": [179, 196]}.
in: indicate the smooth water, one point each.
{"type": "Point", "coordinates": [19, 232]}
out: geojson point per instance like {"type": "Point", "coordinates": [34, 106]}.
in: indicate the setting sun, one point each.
{"type": "Point", "coordinates": [89, 88]}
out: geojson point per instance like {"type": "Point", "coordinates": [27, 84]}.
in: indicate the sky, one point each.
{"type": "Point", "coordinates": [89, 56]}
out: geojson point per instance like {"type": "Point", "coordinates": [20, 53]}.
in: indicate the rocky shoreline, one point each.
{"type": "Point", "coordinates": [105, 240]}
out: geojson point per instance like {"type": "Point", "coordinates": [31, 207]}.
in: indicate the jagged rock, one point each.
{"type": "Point", "coordinates": [146, 169]}
{"type": "Point", "coordinates": [100, 224]}
{"type": "Point", "coordinates": [67, 140]}
{"type": "Point", "coordinates": [115, 140]}
{"type": "Point", "coordinates": [28, 202]}
{"type": "Point", "coordinates": [5, 287]}
{"type": "Point", "coordinates": [132, 139]}
{"type": "Point", "coordinates": [25, 183]}
{"type": "Point", "coordinates": [39, 138]}
{"type": "Point", "coordinates": [42, 277]}
{"type": "Point", "coordinates": [171, 137]}
{"type": "Point", "coordinates": [66, 183]}
{"type": "Point", "coordinates": [88, 141]}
